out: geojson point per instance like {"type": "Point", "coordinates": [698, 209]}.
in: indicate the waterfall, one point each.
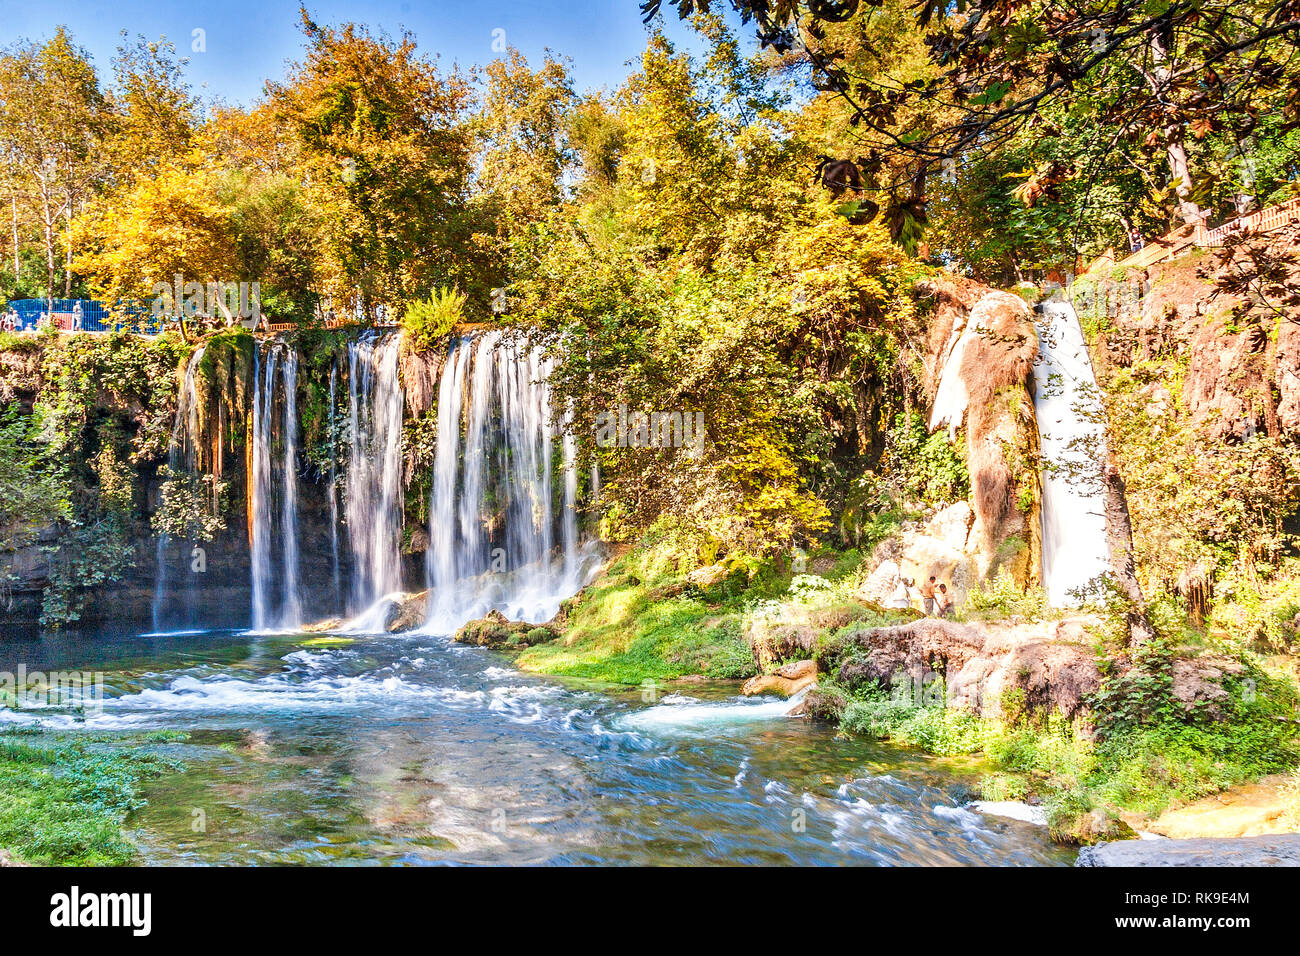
{"type": "Point", "coordinates": [334, 488]}
{"type": "Point", "coordinates": [291, 610]}
{"type": "Point", "coordinates": [373, 509]}
{"type": "Point", "coordinates": [262, 480]}
{"type": "Point", "coordinates": [493, 515]}
{"type": "Point", "coordinates": [1071, 438]}
{"type": "Point", "coordinates": [180, 457]}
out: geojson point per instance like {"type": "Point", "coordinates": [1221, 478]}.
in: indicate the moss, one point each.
{"type": "Point", "coordinates": [642, 620]}
{"type": "Point", "coordinates": [65, 800]}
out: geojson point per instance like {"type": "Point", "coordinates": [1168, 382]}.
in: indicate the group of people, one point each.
{"type": "Point", "coordinates": [936, 600]}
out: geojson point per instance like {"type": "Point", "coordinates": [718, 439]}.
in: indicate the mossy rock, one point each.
{"type": "Point", "coordinates": [496, 631]}
{"type": "Point", "coordinates": [825, 704]}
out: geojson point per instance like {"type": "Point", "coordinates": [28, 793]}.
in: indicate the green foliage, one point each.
{"type": "Point", "coordinates": [191, 507]}
{"type": "Point", "coordinates": [642, 620]}
{"type": "Point", "coordinates": [935, 728]}
{"type": "Point", "coordinates": [924, 467]}
{"type": "Point", "coordinates": [1003, 597]}
{"type": "Point", "coordinates": [31, 494]}
{"type": "Point", "coordinates": [429, 321]}
{"type": "Point", "coordinates": [64, 801]}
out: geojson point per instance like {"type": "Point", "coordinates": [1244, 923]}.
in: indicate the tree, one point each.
{"type": "Point", "coordinates": [172, 223]}
{"type": "Point", "coordinates": [52, 115]}
{"type": "Point", "coordinates": [384, 155]}
{"type": "Point", "coordinates": [524, 125]}
{"type": "Point", "coordinates": [154, 113]}
{"type": "Point", "coordinates": [1154, 72]}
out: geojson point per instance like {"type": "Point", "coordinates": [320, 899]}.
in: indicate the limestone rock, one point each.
{"type": "Point", "coordinates": [952, 525]}
{"type": "Point", "coordinates": [880, 583]}
{"type": "Point", "coordinates": [410, 613]}
{"type": "Point", "coordinates": [496, 631]}
{"type": "Point", "coordinates": [1279, 850]}
{"type": "Point", "coordinates": [787, 680]}
{"type": "Point", "coordinates": [980, 664]}
{"type": "Point", "coordinates": [772, 643]}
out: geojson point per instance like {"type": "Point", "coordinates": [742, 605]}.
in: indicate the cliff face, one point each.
{"type": "Point", "coordinates": [982, 347]}
{"type": "Point", "coordinates": [1236, 330]}
{"type": "Point", "coordinates": [210, 586]}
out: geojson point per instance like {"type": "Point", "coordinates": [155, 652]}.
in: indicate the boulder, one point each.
{"type": "Point", "coordinates": [496, 631]}
{"type": "Point", "coordinates": [952, 525]}
{"type": "Point", "coordinates": [880, 583]}
{"type": "Point", "coordinates": [774, 642]}
{"type": "Point", "coordinates": [410, 613]}
{"type": "Point", "coordinates": [1279, 850]}
{"type": "Point", "coordinates": [787, 680]}
{"type": "Point", "coordinates": [924, 556]}
{"type": "Point", "coordinates": [1051, 666]}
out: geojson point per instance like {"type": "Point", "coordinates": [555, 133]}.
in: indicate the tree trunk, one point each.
{"type": "Point", "coordinates": [1180, 171]}
{"type": "Point", "coordinates": [1119, 535]}
{"type": "Point", "coordinates": [13, 203]}
{"type": "Point", "coordinates": [67, 268]}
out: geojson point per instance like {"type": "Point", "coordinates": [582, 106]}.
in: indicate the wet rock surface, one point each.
{"type": "Point", "coordinates": [1278, 850]}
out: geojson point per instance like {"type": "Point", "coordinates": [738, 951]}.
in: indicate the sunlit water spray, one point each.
{"type": "Point", "coordinates": [1071, 439]}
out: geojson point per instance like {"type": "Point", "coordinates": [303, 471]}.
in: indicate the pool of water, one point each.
{"type": "Point", "coordinates": [416, 750]}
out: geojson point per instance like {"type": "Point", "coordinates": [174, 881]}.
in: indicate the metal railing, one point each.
{"type": "Point", "coordinates": [1197, 235]}
{"type": "Point", "coordinates": [80, 315]}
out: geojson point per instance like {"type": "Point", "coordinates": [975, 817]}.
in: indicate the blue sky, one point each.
{"type": "Point", "coordinates": [248, 41]}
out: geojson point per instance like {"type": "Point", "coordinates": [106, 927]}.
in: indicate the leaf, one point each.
{"type": "Point", "coordinates": [993, 94]}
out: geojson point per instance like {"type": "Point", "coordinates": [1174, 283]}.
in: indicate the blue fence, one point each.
{"type": "Point", "coordinates": [81, 315]}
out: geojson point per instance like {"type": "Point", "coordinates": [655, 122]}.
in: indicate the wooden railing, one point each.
{"type": "Point", "coordinates": [334, 323]}
{"type": "Point", "coordinates": [1262, 222]}
{"type": "Point", "coordinates": [1196, 235]}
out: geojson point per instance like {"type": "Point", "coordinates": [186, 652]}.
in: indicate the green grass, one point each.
{"type": "Point", "coordinates": [1168, 757]}
{"type": "Point", "coordinates": [620, 632]}
{"type": "Point", "coordinates": [64, 800]}
{"type": "Point", "coordinates": [641, 620]}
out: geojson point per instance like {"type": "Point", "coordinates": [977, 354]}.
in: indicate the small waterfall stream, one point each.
{"type": "Point", "coordinates": [181, 458]}
{"type": "Point", "coordinates": [271, 610]}
{"type": "Point", "coordinates": [373, 508]}
{"type": "Point", "coordinates": [493, 515]}
{"type": "Point", "coordinates": [1071, 437]}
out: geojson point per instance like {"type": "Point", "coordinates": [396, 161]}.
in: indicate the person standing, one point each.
{"type": "Point", "coordinates": [927, 596]}
{"type": "Point", "coordinates": [943, 602]}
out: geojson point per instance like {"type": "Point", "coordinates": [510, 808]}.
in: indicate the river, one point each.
{"type": "Point", "coordinates": [415, 750]}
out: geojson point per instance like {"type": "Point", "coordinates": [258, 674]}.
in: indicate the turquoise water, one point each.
{"type": "Point", "coordinates": [415, 750]}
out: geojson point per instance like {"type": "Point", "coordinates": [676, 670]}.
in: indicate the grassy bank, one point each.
{"type": "Point", "coordinates": [656, 614]}
{"type": "Point", "coordinates": [1135, 752]}
{"type": "Point", "coordinates": [64, 799]}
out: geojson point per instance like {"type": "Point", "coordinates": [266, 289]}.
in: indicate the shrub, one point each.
{"type": "Point", "coordinates": [429, 320]}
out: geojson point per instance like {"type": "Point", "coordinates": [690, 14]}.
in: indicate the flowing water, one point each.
{"type": "Point", "coordinates": [276, 599]}
{"type": "Point", "coordinates": [1071, 438]}
{"type": "Point", "coordinates": [181, 455]}
{"type": "Point", "coordinates": [374, 482]}
{"type": "Point", "coordinates": [495, 448]}
{"type": "Point", "coordinates": [413, 749]}
{"type": "Point", "coordinates": [416, 750]}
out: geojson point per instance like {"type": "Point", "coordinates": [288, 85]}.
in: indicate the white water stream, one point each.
{"type": "Point", "coordinates": [1071, 437]}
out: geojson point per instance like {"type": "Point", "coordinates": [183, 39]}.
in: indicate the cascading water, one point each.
{"type": "Point", "coordinates": [374, 502]}
{"type": "Point", "coordinates": [263, 475]}
{"type": "Point", "coordinates": [180, 458]}
{"type": "Point", "coordinates": [493, 515]}
{"type": "Point", "coordinates": [1071, 440]}
{"type": "Point", "coordinates": [334, 489]}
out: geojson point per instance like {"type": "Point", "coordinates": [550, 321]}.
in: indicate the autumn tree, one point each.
{"type": "Point", "coordinates": [1162, 74]}
{"type": "Point", "coordinates": [384, 151]}
{"type": "Point", "coordinates": [52, 115]}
